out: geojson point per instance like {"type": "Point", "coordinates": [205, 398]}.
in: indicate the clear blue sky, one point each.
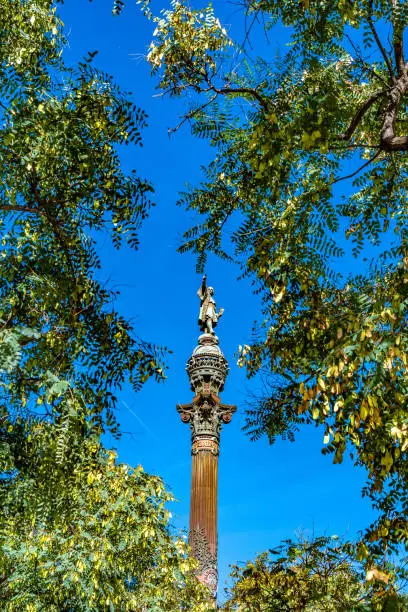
{"type": "Point", "coordinates": [265, 493]}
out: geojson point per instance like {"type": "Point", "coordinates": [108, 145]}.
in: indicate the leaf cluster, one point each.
{"type": "Point", "coordinates": [61, 184]}
{"type": "Point", "coordinates": [78, 530]}
{"type": "Point", "coordinates": [321, 574]}
{"type": "Point", "coordinates": [311, 162]}
{"type": "Point", "coordinates": [85, 532]}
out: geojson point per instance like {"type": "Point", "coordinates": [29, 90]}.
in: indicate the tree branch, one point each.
{"type": "Point", "coordinates": [398, 44]}
{"type": "Point", "coordinates": [192, 114]}
{"type": "Point", "coordinates": [399, 56]}
{"type": "Point", "coordinates": [17, 208]}
{"type": "Point", "coordinates": [390, 142]}
{"type": "Point", "coordinates": [42, 204]}
{"type": "Point", "coordinates": [360, 114]}
{"type": "Point", "coordinates": [378, 41]}
{"type": "Point", "coordinates": [242, 90]}
{"type": "Point", "coordinates": [226, 90]}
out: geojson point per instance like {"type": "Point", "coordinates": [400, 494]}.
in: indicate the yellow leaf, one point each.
{"type": "Point", "coordinates": [376, 574]}
{"type": "Point", "coordinates": [277, 298]}
{"type": "Point", "coordinates": [387, 461]}
{"type": "Point", "coordinates": [363, 411]}
{"type": "Point", "coordinates": [362, 552]}
{"type": "Point", "coordinates": [372, 401]}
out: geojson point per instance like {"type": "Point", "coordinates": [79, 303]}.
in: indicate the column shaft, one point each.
{"type": "Point", "coordinates": [204, 494]}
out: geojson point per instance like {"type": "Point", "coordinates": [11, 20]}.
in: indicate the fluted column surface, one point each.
{"type": "Point", "coordinates": [204, 494]}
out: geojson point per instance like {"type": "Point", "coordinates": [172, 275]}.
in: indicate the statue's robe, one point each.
{"type": "Point", "coordinates": [207, 309]}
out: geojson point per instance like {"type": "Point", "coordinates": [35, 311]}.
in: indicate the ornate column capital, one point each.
{"type": "Point", "coordinates": [206, 415]}
{"type": "Point", "coordinates": [207, 369]}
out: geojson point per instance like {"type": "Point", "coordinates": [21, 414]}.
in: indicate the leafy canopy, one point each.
{"type": "Point", "coordinates": [77, 529]}
{"type": "Point", "coordinates": [61, 183]}
{"type": "Point", "coordinates": [84, 532]}
{"type": "Point", "coordinates": [311, 157]}
{"type": "Point", "coordinates": [319, 575]}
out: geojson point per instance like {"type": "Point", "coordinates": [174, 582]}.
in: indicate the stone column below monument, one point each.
{"type": "Point", "coordinates": [203, 509]}
{"type": "Point", "coordinates": [207, 370]}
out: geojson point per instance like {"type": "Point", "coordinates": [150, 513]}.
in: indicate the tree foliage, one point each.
{"type": "Point", "coordinates": [83, 532]}
{"type": "Point", "coordinates": [61, 183]}
{"type": "Point", "coordinates": [311, 161]}
{"type": "Point", "coordinates": [319, 575]}
{"type": "Point", "coordinates": [78, 531]}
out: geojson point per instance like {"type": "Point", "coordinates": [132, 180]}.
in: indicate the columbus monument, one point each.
{"type": "Point", "coordinates": [207, 370]}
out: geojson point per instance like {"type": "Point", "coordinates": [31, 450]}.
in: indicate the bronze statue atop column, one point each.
{"type": "Point", "coordinates": [208, 317]}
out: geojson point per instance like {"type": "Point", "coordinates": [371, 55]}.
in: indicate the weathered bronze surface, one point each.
{"type": "Point", "coordinates": [207, 370]}
{"type": "Point", "coordinates": [208, 317]}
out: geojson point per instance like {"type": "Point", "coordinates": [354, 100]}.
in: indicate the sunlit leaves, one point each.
{"type": "Point", "coordinates": [31, 35]}
{"type": "Point", "coordinates": [61, 183]}
{"type": "Point", "coordinates": [89, 533]}
{"type": "Point", "coordinates": [311, 158]}
{"type": "Point", "coordinates": [186, 45]}
{"type": "Point", "coordinates": [319, 575]}
{"type": "Point", "coordinates": [77, 529]}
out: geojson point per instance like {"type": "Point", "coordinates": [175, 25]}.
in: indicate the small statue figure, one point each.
{"type": "Point", "coordinates": [208, 317]}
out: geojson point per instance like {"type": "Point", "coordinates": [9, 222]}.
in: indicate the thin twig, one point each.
{"type": "Point", "coordinates": [348, 176]}
{"type": "Point", "coordinates": [192, 114]}
{"type": "Point", "coordinates": [364, 64]}
{"type": "Point", "coordinates": [227, 90]}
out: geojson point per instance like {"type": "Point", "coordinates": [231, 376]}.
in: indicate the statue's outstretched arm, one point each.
{"type": "Point", "coordinates": [203, 289]}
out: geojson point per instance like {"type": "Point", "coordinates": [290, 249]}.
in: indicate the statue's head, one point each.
{"type": "Point", "coordinates": [210, 290]}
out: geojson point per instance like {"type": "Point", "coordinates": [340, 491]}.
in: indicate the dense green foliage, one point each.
{"type": "Point", "coordinates": [78, 531]}
{"type": "Point", "coordinates": [311, 157]}
{"type": "Point", "coordinates": [317, 576]}
{"type": "Point", "coordinates": [61, 182]}
{"type": "Point", "coordinates": [82, 532]}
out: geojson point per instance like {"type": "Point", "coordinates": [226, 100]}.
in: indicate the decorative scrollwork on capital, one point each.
{"type": "Point", "coordinates": [206, 415]}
